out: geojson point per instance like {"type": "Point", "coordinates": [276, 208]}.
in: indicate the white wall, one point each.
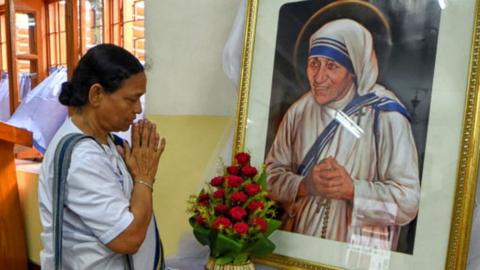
{"type": "Point", "coordinates": [184, 44]}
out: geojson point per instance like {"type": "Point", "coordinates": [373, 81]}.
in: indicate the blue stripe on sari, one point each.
{"type": "Point", "coordinates": [337, 44]}
{"type": "Point", "coordinates": [333, 54]}
{"type": "Point", "coordinates": [378, 104]}
{"type": "Point", "coordinates": [327, 134]}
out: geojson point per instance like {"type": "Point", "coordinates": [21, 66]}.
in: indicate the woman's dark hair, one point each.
{"type": "Point", "coordinates": [105, 64]}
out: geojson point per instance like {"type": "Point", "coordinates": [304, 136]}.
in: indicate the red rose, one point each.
{"type": "Point", "coordinates": [219, 193]}
{"type": "Point", "coordinates": [252, 189]}
{"type": "Point", "coordinates": [239, 196]}
{"type": "Point", "coordinates": [249, 171]}
{"type": "Point", "coordinates": [217, 181]}
{"type": "Point", "coordinates": [221, 208]}
{"type": "Point", "coordinates": [234, 170]}
{"type": "Point", "coordinates": [200, 219]}
{"type": "Point", "coordinates": [203, 197]}
{"type": "Point", "coordinates": [237, 213]}
{"type": "Point", "coordinates": [254, 205]}
{"type": "Point", "coordinates": [221, 223]}
{"type": "Point", "coordinates": [241, 228]}
{"type": "Point", "coordinates": [204, 203]}
{"type": "Point", "coordinates": [242, 158]}
{"type": "Point", "coordinates": [234, 181]}
{"type": "Point", "coordinates": [261, 223]}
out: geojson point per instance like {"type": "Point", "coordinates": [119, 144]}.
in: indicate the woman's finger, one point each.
{"type": "Point", "coordinates": [156, 143]}
{"type": "Point", "coordinates": [145, 133]}
{"type": "Point", "coordinates": [161, 147]}
{"type": "Point", "coordinates": [153, 135]}
{"type": "Point", "coordinates": [136, 135]}
{"type": "Point", "coordinates": [159, 152]}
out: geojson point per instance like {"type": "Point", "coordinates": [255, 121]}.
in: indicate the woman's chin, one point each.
{"type": "Point", "coordinates": [122, 128]}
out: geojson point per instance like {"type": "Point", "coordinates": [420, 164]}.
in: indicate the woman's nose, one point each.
{"type": "Point", "coordinates": [138, 107]}
{"type": "Point", "coordinates": [320, 75]}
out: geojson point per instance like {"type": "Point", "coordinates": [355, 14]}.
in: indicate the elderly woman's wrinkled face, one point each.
{"type": "Point", "coordinates": [120, 108]}
{"type": "Point", "coordinates": [329, 80]}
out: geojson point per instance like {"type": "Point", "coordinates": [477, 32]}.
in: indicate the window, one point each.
{"type": "Point", "coordinates": [120, 22]}
{"type": "Point", "coordinates": [133, 28]}
{"type": "Point", "coordinates": [113, 21]}
{"type": "Point", "coordinates": [56, 34]}
{"type": "Point", "coordinates": [127, 24]}
{"type": "Point", "coordinates": [91, 23]}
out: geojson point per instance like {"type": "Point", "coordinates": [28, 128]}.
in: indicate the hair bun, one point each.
{"type": "Point", "coordinates": [66, 94]}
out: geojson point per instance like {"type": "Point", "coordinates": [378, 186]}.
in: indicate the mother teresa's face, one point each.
{"type": "Point", "coordinates": [329, 80]}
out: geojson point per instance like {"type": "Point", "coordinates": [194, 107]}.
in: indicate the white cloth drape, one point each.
{"type": "Point", "coordinates": [25, 83]}
{"type": "Point", "coordinates": [232, 52]}
{"type": "Point", "coordinates": [40, 111]}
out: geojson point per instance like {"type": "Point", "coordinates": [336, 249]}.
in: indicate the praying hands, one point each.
{"type": "Point", "coordinates": [330, 179]}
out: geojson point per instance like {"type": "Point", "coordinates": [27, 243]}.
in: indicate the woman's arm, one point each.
{"type": "Point", "coordinates": [142, 161]}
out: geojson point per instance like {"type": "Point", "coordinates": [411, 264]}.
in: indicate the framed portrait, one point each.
{"type": "Point", "coordinates": [366, 116]}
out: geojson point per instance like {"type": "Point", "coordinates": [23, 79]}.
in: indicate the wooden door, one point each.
{"type": "Point", "coordinates": [25, 43]}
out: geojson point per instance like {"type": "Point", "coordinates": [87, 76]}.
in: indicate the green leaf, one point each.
{"type": "Point", "coordinates": [241, 258]}
{"type": "Point", "coordinates": [191, 220]}
{"type": "Point", "coordinates": [224, 259]}
{"type": "Point", "coordinates": [201, 233]}
{"type": "Point", "coordinates": [224, 245]}
{"type": "Point", "coordinates": [262, 180]}
{"type": "Point", "coordinates": [273, 225]}
{"type": "Point", "coordinates": [262, 247]}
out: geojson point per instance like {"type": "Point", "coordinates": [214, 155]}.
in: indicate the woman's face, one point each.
{"type": "Point", "coordinates": [329, 80]}
{"type": "Point", "coordinates": [119, 109]}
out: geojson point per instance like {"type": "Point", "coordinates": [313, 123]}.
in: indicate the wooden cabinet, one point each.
{"type": "Point", "coordinates": [13, 251]}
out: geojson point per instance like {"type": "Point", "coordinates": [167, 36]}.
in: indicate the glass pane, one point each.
{"type": "Point", "coordinates": [52, 52]}
{"type": "Point", "coordinates": [139, 49]}
{"type": "Point", "coordinates": [138, 10]}
{"type": "Point", "coordinates": [56, 34]}
{"type": "Point", "coordinates": [61, 16]}
{"type": "Point", "coordinates": [138, 29]}
{"type": "Point", "coordinates": [133, 28]}
{"type": "Point", "coordinates": [51, 17]}
{"type": "Point", "coordinates": [128, 10]}
{"type": "Point", "coordinates": [23, 66]}
{"type": "Point", "coordinates": [27, 77]}
{"type": "Point", "coordinates": [92, 20]}
{"type": "Point", "coordinates": [63, 49]}
{"type": "Point", "coordinates": [3, 42]}
{"type": "Point", "coordinates": [116, 26]}
{"type": "Point", "coordinates": [128, 36]}
{"type": "Point", "coordinates": [25, 33]}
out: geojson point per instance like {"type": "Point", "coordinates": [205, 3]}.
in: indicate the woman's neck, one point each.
{"type": "Point", "coordinates": [89, 124]}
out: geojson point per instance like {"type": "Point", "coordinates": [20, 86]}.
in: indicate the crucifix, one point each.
{"type": "Point", "coordinates": [359, 115]}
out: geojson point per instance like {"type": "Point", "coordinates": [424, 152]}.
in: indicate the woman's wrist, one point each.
{"type": "Point", "coordinates": [148, 184]}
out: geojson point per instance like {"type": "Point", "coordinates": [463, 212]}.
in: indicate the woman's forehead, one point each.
{"type": "Point", "coordinates": [134, 85]}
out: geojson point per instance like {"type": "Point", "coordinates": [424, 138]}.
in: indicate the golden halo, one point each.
{"type": "Point", "coordinates": [363, 12]}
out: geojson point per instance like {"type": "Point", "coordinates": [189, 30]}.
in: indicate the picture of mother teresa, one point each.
{"type": "Point", "coordinates": [344, 163]}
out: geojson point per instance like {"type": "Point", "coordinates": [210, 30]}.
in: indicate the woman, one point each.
{"type": "Point", "coordinates": [339, 183]}
{"type": "Point", "coordinates": [108, 197]}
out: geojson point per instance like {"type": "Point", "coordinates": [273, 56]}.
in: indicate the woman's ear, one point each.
{"type": "Point", "coordinates": [95, 95]}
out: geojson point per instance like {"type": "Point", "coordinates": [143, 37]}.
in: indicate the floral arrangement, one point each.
{"type": "Point", "coordinates": [233, 214]}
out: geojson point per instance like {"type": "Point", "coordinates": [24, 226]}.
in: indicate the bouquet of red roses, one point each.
{"type": "Point", "coordinates": [231, 215]}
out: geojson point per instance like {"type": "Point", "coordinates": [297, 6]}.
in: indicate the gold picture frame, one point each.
{"type": "Point", "coordinates": [460, 170]}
